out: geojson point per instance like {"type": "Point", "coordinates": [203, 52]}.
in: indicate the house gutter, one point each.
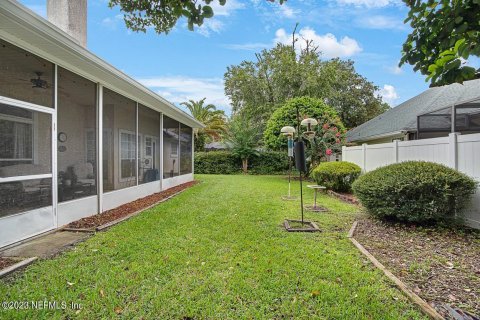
{"type": "Point", "coordinates": [383, 135]}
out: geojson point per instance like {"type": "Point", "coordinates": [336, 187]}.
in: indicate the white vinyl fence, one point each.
{"type": "Point", "coordinates": [461, 152]}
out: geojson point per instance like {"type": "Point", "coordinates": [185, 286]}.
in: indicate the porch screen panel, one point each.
{"type": "Point", "coordinates": [119, 141]}
{"type": "Point", "coordinates": [149, 145]}
{"type": "Point", "coordinates": [76, 118]}
{"type": "Point", "coordinates": [185, 149]}
{"type": "Point", "coordinates": [171, 147]}
{"type": "Point", "coordinates": [25, 142]}
{"type": "Point", "coordinates": [25, 76]}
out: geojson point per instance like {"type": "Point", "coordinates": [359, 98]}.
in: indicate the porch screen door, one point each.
{"type": "Point", "coordinates": [26, 179]}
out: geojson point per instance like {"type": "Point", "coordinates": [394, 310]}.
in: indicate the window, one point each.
{"type": "Point", "coordinates": [174, 149]}
{"type": "Point", "coordinates": [16, 130]}
{"type": "Point", "coordinates": [127, 155]}
{"type": "Point", "coordinates": [25, 142]}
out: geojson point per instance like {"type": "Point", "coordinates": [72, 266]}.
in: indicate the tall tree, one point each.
{"type": "Point", "coordinates": [163, 15]}
{"type": "Point", "coordinates": [213, 119]}
{"type": "Point", "coordinates": [243, 136]}
{"type": "Point", "coordinates": [445, 34]}
{"type": "Point", "coordinates": [258, 88]}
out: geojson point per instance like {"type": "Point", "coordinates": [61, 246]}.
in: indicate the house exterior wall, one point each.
{"type": "Point", "coordinates": [460, 152]}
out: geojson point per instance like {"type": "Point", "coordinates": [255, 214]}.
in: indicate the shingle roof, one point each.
{"type": "Point", "coordinates": [404, 116]}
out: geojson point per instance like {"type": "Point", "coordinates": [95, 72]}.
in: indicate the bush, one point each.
{"type": "Point", "coordinates": [414, 191]}
{"type": "Point", "coordinates": [224, 162]}
{"type": "Point", "coordinates": [336, 176]}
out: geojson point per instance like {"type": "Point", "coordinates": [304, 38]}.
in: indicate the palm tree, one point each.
{"type": "Point", "coordinates": [243, 137]}
{"type": "Point", "coordinates": [213, 119]}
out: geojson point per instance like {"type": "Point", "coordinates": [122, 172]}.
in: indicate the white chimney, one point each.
{"type": "Point", "coordinates": [71, 17]}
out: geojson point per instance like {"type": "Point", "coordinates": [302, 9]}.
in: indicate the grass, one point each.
{"type": "Point", "coordinates": [217, 251]}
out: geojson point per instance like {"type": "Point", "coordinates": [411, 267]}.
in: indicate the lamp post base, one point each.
{"type": "Point", "coordinates": [289, 198]}
{"type": "Point", "coordinates": [299, 226]}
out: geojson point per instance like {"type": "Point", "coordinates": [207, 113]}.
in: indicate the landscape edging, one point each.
{"type": "Point", "coordinates": [17, 266]}
{"type": "Point", "coordinates": [424, 306]}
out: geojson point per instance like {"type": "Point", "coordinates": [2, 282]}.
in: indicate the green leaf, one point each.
{"type": "Point", "coordinates": [207, 11]}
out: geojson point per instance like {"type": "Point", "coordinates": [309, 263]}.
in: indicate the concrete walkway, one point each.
{"type": "Point", "coordinates": [46, 246]}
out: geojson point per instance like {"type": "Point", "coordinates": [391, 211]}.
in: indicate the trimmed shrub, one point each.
{"type": "Point", "coordinates": [269, 162]}
{"type": "Point", "coordinates": [336, 176]}
{"type": "Point", "coordinates": [217, 162]}
{"type": "Point", "coordinates": [225, 162]}
{"type": "Point", "coordinates": [414, 191]}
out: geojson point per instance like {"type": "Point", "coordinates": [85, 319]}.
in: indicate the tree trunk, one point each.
{"type": "Point", "coordinates": [245, 166]}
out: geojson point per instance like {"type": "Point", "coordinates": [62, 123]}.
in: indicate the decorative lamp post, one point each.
{"type": "Point", "coordinates": [300, 164]}
{"type": "Point", "coordinates": [289, 133]}
{"type": "Point", "coordinates": [309, 134]}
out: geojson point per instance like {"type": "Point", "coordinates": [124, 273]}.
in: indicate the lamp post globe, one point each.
{"type": "Point", "coordinates": [310, 123]}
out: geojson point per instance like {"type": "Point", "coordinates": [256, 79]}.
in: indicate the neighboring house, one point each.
{"type": "Point", "coordinates": [217, 145]}
{"type": "Point", "coordinates": [77, 136]}
{"type": "Point", "coordinates": [427, 115]}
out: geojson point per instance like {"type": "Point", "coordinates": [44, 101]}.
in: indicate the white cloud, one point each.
{"type": "Point", "coordinates": [368, 3]}
{"type": "Point", "coordinates": [229, 7]}
{"type": "Point", "coordinates": [215, 24]}
{"type": "Point", "coordinates": [112, 22]}
{"type": "Point", "coordinates": [395, 69]}
{"type": "Point", "coordinates": [287, 12]}
{"type": "Point", "coordinates": [381, 22]}
{"type": "Point", "coordinates": [327, 43]}
{"type": "Point", "coordinates": [389, 94]}
{"type": "Point", "coordinates": [209, 26]}
{"type": "Point", "coordinates": [178, 89]}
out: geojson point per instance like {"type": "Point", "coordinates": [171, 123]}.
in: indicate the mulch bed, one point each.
{"type": "Point", "coordinates": [127, 209]}
{"type": "Point", "coordinates": [440, 265]}
{"type": "Point", "coordinates": [345, 197]}
{"type": "Point", "coordinates": [6, 262]}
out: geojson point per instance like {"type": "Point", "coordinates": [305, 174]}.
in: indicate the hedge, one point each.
{"type": "Point", "coordinates": [224, 162]}
{"type": "Point", "coordinates": [336, 176]}
{"type": "Point", "coordinates": [414, 191]}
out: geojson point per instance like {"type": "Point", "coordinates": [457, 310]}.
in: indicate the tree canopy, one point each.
{"type": "Point", "coordinates": [213, 119]}
{"type": "Point", "coordinates": [257, 88]}
{"type": "Point", "coordinates": [163, 15]}
{"type": "Point", "coordinates": [286, 115]}
{"type": "Point", "coordinates": [445, 34]}
{"type": "Point", "coordinates": [243, 136]}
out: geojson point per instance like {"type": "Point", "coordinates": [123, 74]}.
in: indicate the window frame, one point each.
{"type": "Point", "coordinates": [131, 133]}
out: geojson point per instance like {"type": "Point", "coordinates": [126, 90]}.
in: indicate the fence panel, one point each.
{"type": "Point", "coordinates": [468, 151]}
{"type": "Point", "coordinates": [379, 155]}
{"type": "Point", "coordinates": [433, 150]}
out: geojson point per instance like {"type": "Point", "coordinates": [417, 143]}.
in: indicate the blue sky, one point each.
{"type": "Point", "coordinates": [190, 65]}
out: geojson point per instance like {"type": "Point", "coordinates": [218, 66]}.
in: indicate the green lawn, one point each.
{"type": "Point", "coordinates": [217, 251]}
